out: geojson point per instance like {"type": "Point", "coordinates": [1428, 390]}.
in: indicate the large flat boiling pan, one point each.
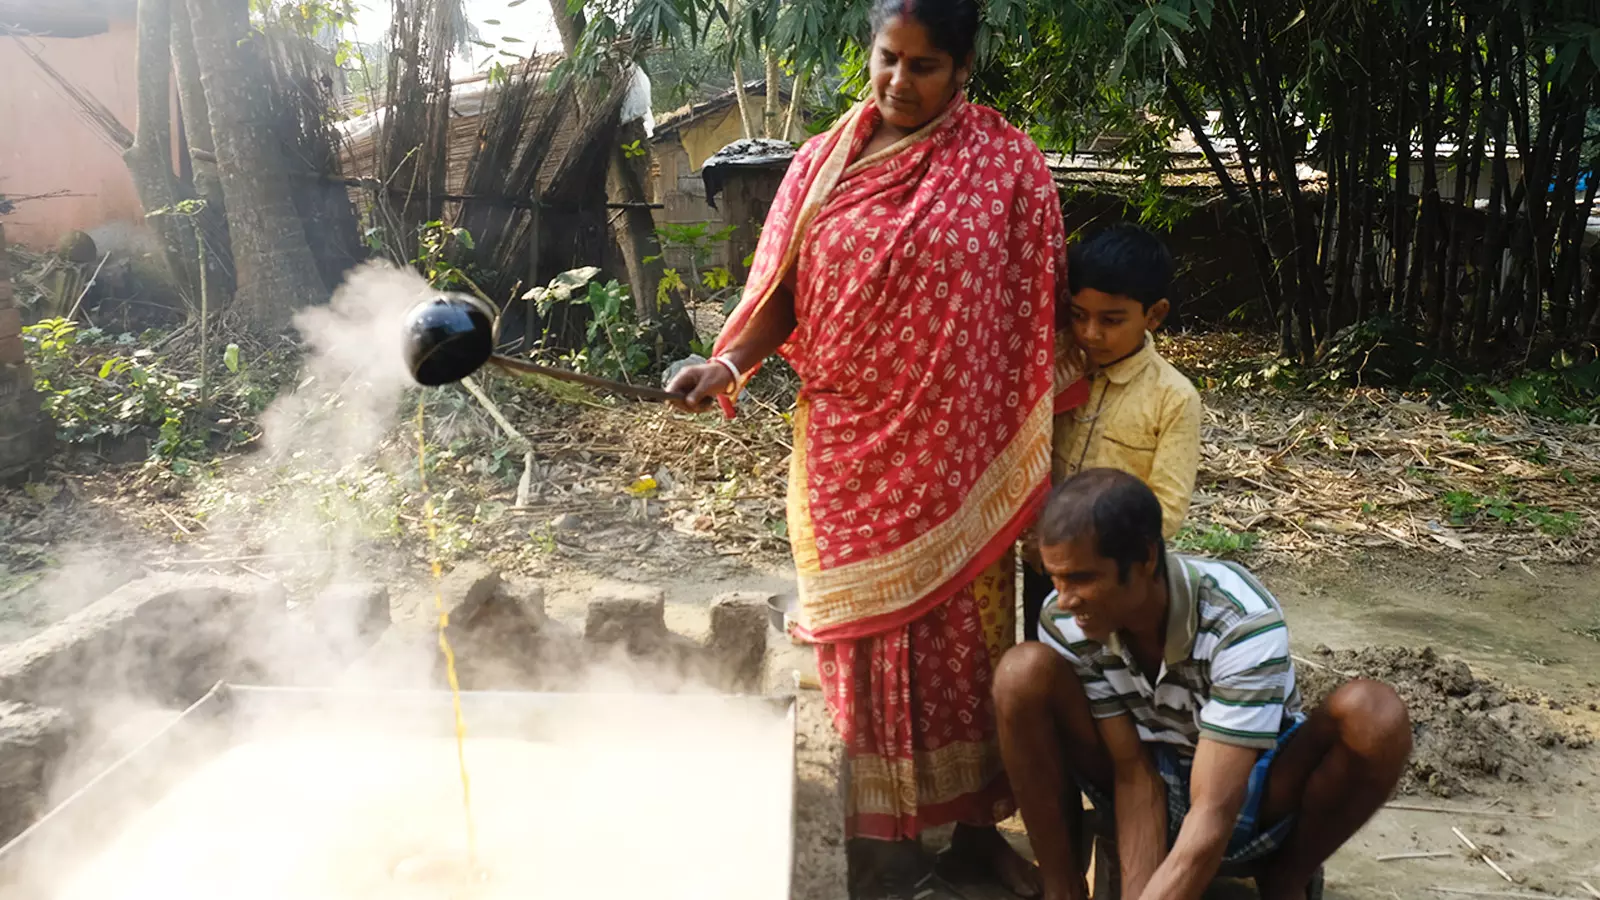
{"type": "Point", "coordinates": [258, 793]}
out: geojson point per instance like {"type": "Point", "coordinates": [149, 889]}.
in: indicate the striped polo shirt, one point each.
{"type": "Point", "coordinates": [1226, 672]}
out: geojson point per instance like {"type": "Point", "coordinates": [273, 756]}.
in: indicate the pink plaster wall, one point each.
{"type": "Point", "coordinates": [45, 146]}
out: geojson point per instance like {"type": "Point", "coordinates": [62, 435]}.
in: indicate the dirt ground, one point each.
{"type": "Point", "coordinates": [1499, 664]}
{"type": "Point", "coordinates": [1504, 698]}
{"type": "Point", "coordinates": [1504, 702]}
{"type": "Point", "coordinates": [1504, 706]}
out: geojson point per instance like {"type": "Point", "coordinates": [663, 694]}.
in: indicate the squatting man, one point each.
{"type": "Point", "coordinates": [1162, 688]}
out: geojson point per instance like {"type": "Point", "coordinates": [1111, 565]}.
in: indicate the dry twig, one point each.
{"type": "Point", "coordinates": [1453, 811]}
{"type": "Point", "coordinates": [1483, 856]}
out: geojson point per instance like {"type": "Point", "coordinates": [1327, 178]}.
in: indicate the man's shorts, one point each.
{"type": "Point", "coordinates": [1249, 841]}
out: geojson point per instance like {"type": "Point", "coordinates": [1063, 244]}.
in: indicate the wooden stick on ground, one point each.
{"type": "Point", "coordinates": [1483, 856]}
{"type": "Point", "coordinates": [175, 523]}
{"type": "Point", "coordinates": [1316, 665]}
{"type": "Point", "coordinates": [235, 559]}
{"type": "Point", "coordinates": [1492, 813]}
{"type": "Point", "coordinates": [1590, 888]}
{"type": "Point", "coordinates": [493, 410]}
{"type": "Point", "coordinates": [1472, 892]}
{"type": "Point", "coordinates": [1421, 854]}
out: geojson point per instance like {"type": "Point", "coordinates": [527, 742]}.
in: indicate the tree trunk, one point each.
{"type": "Point", "coordinates": [772, 110]}
{"type": "Point", "coordinates": [277, 273]}
{"type": "Point", "coordinates": [641, 251]}
{"type": "Point", "coordinates": [1404, 205]}
{"type": "Point", "coordinates": [569, 24]}
{"type": "Point", "coordinates": [747, 120]}
{"type": "Point", "coordinates": [1422, 295]}
{"type": "Point", "coordinates": [196, 117]}
{"type": "Point", "coordinates": [796, 95]}
{"type": "Point", "coordinates": [149, 160]}
{"type": "Point", "coordinates": [635, 229]}
{"type": "Point", "coordinates": [742, 100]}
{"type": "Point", "coordinates": [1246, 208]}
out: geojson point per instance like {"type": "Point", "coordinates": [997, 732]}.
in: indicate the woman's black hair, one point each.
{"type": "Point", "coordinates": [952, 24]}
{"type": "Point", "coordinates": [1118, 510]}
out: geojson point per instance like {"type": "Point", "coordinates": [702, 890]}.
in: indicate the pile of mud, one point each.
{"type": "Point", "coordinates": [1465, 728]}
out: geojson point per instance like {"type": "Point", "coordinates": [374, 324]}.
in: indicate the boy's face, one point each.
{"type": "Point", "coordinates": [1089, 587]}
{"type": "Point", "coordinates": [1111, 327]}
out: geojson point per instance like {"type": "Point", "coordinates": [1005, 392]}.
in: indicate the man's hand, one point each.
{"type": "Point", "coordinates": [1218, 785]}
{"type": "Point", "coordinates": [700, 385]}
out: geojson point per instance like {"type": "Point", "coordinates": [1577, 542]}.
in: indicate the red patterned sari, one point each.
{"type": "Point", "coordinates": [924, 280]}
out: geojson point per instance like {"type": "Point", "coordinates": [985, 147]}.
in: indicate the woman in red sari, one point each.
{"type": "Point", "coordinates": [907, 271]}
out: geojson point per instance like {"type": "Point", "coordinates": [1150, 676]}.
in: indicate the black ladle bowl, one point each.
{"type": "Point", "coordinates": [451, 336]}
{"type": "Point", "coordinates": [448, 338]}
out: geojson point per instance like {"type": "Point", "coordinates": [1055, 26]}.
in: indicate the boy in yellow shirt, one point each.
{"type": "Point", "coordinates": [1141, 415]}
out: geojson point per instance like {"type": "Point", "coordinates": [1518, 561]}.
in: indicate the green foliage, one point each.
{"type": "Point", "coordinates": [96, 386]}
{"type": "Point", "coordinates": [1567, 391]}
{"type": "Point", "coordinates": [438, 245]}
{"type": "Point", "coordinates": [1379, 351]}
{"type": "Point", "coordinates": [1465, 508]}
{"type": "Point", "coordinates": [92, 390]}
{"type": "Point", "coordinates": [698, 241]}
{"type": "Point", "coordinates": [617, 346]}
{"type": "Point", "coordinates": [1215, 540]}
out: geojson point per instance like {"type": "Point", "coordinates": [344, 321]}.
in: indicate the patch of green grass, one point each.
{"type": "Point", "coordinates": [1465, 508]}
{"type": "Point", "coordinates": [1215, 540]}
{"type": "Point", "coordinates": [541, 541]}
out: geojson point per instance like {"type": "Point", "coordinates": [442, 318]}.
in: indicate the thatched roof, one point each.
{"type": "Point", "coordinates": [470, 99]}
{"type": "Point", "coordinates": [64, 18]}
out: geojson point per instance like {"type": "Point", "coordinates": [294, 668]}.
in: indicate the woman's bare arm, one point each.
{"type": "Point", "coordinates": [766, 331]}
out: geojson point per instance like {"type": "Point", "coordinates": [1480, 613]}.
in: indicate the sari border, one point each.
{"type": "Point", "coordinates": [802, 538]}
{"type": "Point", "coordinates": [1001, 544]}
{"type": "Point", "coordinates": [828, 174]}
{"type": "Point", "coordinates": [898, 584]}
{"type": "Point", "coordinates": [907, 142]}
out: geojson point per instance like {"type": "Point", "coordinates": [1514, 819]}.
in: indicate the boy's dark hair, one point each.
{"type": "Point", "coordinates": [1124, 260]}
{"type": "Point", "coordinates": [952, 24]}
{"type": "Point", "coordinates": [1117, 508]}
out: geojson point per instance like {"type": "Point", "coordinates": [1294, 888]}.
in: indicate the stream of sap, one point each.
{"type": "Point", "coordinates": [444, 642]}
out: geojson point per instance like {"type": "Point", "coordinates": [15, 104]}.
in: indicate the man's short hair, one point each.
{"type": "Point", "coordinates": [1123, 260]}
{"type": "Point", "coordinates": [1118, 509]}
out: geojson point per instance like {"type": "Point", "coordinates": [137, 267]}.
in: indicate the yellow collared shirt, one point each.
{"type": "Point", "coordinates": [1143, 417]}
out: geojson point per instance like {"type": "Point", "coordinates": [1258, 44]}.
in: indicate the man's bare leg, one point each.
{"type": "Point", "coordinates": [1333, 775]}
{"type": "Point", "coordinates": [1047, 738]}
